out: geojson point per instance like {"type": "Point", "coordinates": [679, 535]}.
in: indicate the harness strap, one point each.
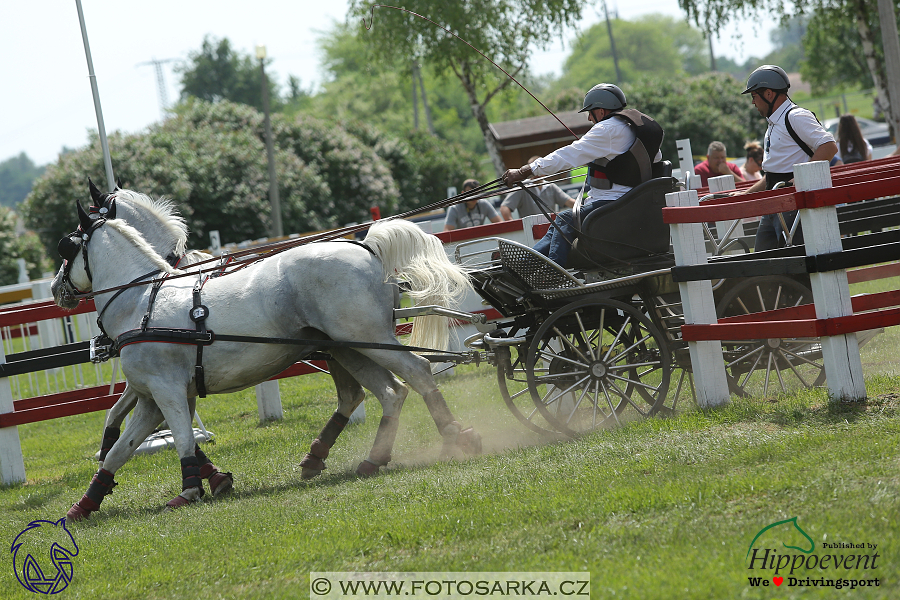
{"type": "Point", "coordinates": [191, 337]}
{"type": "Point", "coordinates": [790, 129]}
{"type": "Point", "coordinates": [118, 293]}
{"type": "Point", "coordinates": [198, 316]}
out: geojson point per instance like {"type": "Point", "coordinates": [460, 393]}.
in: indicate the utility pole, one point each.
{"type": "Point", "coordinates": [712, 57]}
{"type": "Point", "coordinates": [612, 44]}
{"type": "Point", "coordinates": [95, 91]}
{"type": "Point", "coordinates": [415, 97]}
{"type": "Point", "coordinates": [160, 82]}
{"type": "Point", "coordinates": [274, 200]}
{"type": "Point", "coordinates": [417, 75]}
{"type": "Point", "coordinates": [891, 63]}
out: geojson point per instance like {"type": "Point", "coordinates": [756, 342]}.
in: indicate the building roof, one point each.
{"type": "Point", "coordinates": [527, 132]}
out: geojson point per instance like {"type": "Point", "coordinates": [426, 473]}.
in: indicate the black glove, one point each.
{"type": "Point", "coordinates": [514, 176]}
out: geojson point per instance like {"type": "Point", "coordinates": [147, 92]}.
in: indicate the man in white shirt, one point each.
{"type": "Point", "coordinates": [617, 150]}
{"type": "Point", "coordinates": [794, 136]}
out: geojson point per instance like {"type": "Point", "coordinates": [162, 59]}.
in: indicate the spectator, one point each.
{"type": "Point", "coordinates": [852, 146]}
{"type": "Point", "coordinates": [716, 164]}
{"type": "Point", "coordinates": [471, 212]}
{"type": "Point", "coordinates": [752, 169]}
{"type": "Point", "coordinates": [550, 193]}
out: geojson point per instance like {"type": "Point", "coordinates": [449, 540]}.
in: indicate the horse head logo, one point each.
{"type": "Point", "coordinates": [36, 548]}
{"type": "Point", "coordinates": [784, 533]}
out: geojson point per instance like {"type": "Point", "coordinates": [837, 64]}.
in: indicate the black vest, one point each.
{"type": "Point", "coordinates": [633, 167]}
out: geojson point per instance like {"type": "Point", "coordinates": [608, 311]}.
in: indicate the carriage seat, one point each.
{"type": "Point", "coordinates": [628, 231]}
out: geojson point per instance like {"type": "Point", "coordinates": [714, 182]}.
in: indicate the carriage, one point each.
{"type": "Point", "coordinates": [599, 343]}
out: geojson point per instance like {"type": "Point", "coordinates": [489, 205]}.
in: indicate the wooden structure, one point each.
{"type": "Point", "coordinates": [521, 139]}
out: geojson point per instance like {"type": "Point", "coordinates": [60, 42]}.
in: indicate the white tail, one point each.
{"type": "Point", "coordinates": [410, 254]}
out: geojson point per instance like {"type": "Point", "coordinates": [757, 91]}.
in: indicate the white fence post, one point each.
{"type": "Point", "coordinates": [699, 307]}
{"type": "Point", "coordinates": [12, 463]}
{"type": "Point", "coordinates": [831, 291]}
{"type": "Point", "coordinates": [268, 400]}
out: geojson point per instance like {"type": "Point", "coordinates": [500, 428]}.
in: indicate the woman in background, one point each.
{"type": "Point", "coordinates": [752, 169]}
{"type": "Point", "coordinates": [852, 146]}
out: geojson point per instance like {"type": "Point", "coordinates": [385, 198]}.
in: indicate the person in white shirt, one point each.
{"type": "Point", "coordinates": [794, 136]}
{"type": "Point", "coordinates": [617, 150]}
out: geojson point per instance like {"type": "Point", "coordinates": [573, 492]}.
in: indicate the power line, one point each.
{"type": "Point", "coordinates": [160, 82]}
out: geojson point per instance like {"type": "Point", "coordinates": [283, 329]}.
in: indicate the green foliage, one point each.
{"type": "Point", "coordinates": [832, 32]}
{"type": "Point", "coordinates": [423, 165]}
{"type": "Point", "coordinates": [703, 109]}
{"type": "Point", "coordinates": [14, 247]}
{"type": "Point", "coordinates": [211, 160]}
{"type": "Point", "coordinates": [219, 72]}
{"type": "Point", "coordinates": [653, 45]}
{"type": "Point", "coordinates": [16, 176]}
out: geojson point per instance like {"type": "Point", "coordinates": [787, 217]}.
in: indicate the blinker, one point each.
{"type": "Point", "coordinates": [67, 249]}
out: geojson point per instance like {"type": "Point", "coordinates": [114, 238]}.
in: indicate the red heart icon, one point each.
{"type": "Point", "coordinates": [778, 580]}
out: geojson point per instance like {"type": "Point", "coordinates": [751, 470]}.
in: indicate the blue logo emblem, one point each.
{"type": "Point", "coordinates": [42, 556]}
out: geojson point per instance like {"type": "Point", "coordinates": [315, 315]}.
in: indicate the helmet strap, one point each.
{"type": "Point", "coordinates": [771, 104]}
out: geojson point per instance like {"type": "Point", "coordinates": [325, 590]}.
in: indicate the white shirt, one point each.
{"type": "Point", "coordinates": [781, 152]}
{"type": "Point", "coordinates": [607, 139]}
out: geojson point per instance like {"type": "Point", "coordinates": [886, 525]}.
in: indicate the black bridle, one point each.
{"type": "Point", "coordinates": [68, 248]}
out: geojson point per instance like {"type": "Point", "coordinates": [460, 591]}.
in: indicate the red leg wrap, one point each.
{"type": "Point", "coordinates": [81, 510]}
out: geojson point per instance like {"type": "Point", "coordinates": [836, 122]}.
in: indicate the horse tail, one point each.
{"type": "Point", "coordinates": [408, 253]}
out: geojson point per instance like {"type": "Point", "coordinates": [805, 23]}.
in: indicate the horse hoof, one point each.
{"type": "Point", "coordinates": [220, 483]}
{"type": "Point", "coordinates": [469, 441]}
{"type": "Point", "coordinates": [308, 473]}
{"type": "Point", "coordinates": [367, 469]}
{"type": "Point", "coordinates": [77, 513]}
{"type": "Point", "coordinates": [184, 498]}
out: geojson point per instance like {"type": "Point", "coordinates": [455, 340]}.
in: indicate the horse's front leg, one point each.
{"type": "Point", "coordinates": [176, 409]}
{"type": "Point", "coordinates": [145, 419]}
{"type": "Point", "coordinates": [117, 414]}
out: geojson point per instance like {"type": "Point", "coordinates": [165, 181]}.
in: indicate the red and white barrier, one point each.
{"type": "Point", "coordinates": [835, 321]}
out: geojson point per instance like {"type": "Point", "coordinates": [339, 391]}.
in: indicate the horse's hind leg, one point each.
{"type": "Point", "coordinates": [417, 372]}
{"type": "Point", "coordinates": [350, 372]}
{"type": "Point", "coordinates": [146, 417]}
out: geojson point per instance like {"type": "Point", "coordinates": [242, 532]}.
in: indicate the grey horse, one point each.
{"type": "Point", "coordinates": [317, 292]}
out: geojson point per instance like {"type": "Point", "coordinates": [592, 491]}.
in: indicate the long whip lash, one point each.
{"type": "Point", "coordinates": [487, 190]}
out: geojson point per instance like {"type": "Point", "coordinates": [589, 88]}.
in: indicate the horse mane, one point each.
{"type": "Point", "coordinates": [164, 211]}
{"type": "Point", "coordinates": [134, 237]}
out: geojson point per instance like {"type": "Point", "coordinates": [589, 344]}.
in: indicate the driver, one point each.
{"type": "Point", "coordinates": [794, 136]}
{"type": "Point", "coordinates": [617, 150]}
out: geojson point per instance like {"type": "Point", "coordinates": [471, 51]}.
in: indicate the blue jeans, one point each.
{"type": "Point", "coordinates": [770, 234]}
{"type": "Point", "coordinates": [554, 244]}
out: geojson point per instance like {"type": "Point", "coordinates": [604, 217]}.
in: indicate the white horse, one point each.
{"type": "Point", "coordinates": [317, 292]}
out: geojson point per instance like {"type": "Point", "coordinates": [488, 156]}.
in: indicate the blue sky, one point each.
{"type": "Point", "coordinates": [47, 102]}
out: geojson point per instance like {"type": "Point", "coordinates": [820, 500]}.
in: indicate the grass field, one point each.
{"type": "Point", "coordinates": [658, 509]}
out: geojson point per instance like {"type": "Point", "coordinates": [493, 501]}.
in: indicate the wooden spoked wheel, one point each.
{"type": "Point", "coordinates": [778, 365]}
{"type": "Point", "coordinates": [597, 363]}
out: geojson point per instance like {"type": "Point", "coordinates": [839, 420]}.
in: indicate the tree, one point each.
{"type": "Point", "coordinates": [218, 72]}
{"type": "Point", "coordinates": [833, 33]}
{"type": "Point", "coordinates": [703, 108]}
{"type": "Point", "coordinates": [862, 13]}
{"type": "Point", "coordinates": [16, 176]}
{"type": "Point", "coordinates": [505, 30]}
{"type": "Point", "coordinates": [211, 160]}
{"type": "Point", "coordinates": [14, 246]}
{"type": "Point", "coordinates": [654, 45]}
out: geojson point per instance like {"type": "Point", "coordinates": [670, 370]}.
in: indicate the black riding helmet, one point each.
{"type": "Point", "coordinates": [768, 77]}
{"type": "Point", "coordinates": [604, 95]}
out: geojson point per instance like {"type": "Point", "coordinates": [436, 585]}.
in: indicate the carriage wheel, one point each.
{"type": "Point", "coordinates": [597, 364]}
{"type": "Point", "coordinates": [513, 383]}
{"type": "Point", "coordinates": [785, 364]}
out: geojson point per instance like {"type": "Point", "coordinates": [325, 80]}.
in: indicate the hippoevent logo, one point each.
{"type": "Point", "coordinates": [42, 556]}
{"type": "Point", "coordinates": [782, 553]}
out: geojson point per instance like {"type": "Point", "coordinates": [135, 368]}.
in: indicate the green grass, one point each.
{"type": "Point", "coordinates": [659, 509]}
